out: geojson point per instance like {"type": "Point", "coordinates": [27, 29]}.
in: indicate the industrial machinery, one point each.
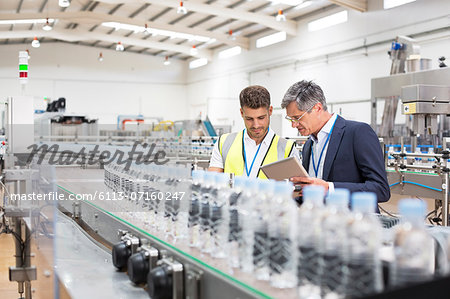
{"type": "Point", "coordinates": [416, 149]}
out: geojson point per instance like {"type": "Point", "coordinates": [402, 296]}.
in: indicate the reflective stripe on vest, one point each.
{"type": "Point", "coordinates": [231, 149]}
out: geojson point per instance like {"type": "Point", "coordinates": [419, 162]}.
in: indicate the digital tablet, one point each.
{"type": "Point", "coordinates": [284, 169]}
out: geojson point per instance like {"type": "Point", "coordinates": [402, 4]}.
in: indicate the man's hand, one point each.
{"type": "Point", "coordinates": [297, 180]}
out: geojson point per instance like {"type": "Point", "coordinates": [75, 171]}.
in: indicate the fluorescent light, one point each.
{"type": "Point", "coordinates": [171, 34]}
{"type": "Point", "coordinates": [287, 2]}
{"type": "Point", "coordinates": [198, 63]}
{"type": "Point", "coordinates": [394, 3]}
{"type": "Point", "coordinates": [303, 5]}
{"type": "Point", "coordinates": [271, 39]}
{"type": "Point", "coordinates": [230, 52]}
{"type": "Point", "coordinates": [28, 21]}
{"type": "Point", "coordinates": [328, 21]}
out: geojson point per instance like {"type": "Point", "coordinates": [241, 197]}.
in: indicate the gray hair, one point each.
{"type": "Point", "coordinates": [306, 94]}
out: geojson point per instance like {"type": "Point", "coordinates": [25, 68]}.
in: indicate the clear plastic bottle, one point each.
{"type": "Point", "coordinates": [309, 229]}
{"type": "Point", "coordinates": [283, 248]}
{"type": "Point", "coordinates": [181, 198]}
{"type": "Point", "coordinates": [194, 209]}
{"type": "Point", "coordinates": [235, 228]}
{"type": "Point", "coordinates": [261, 219]}
{"type": "Point", "coordinates": [431, 161]}
{"type": "Point", "coordinates": [334, 247]}
{"type": "Point", "coordinates": [391, 159]}
{"type": "Point", "coordinates": [246, 206]}
{"type": "Point", "coordinates": [159, 195]}
{"type": "Point", "coordinates": [208, 192]}
{"type": "Point", "coordinates": [413, 246]}
{"type": "Point", "coordinates": [418, 160]}
{"type": "Point", "coordinates": [365, 240]}
{"type": "Point", "coordinates": [219, 215]}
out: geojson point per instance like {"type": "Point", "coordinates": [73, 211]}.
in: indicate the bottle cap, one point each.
{"type": "Point", "coordinates": [340, 197]}
{"type": "Point", "coordinates": [266, 186]}
{"type": "Point", "coordinates": [364, 202]}
{"type": "Point", "coordinates": [412, 208]}
{"type": "Point", "coordinates": [284, 188]}
{"type": "Point", "coordinates": [313, 193]}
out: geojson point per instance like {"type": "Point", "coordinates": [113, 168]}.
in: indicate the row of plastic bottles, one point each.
{"type": "Point", "coordinates": [325, 251]}
{"type": "Point", "coordinates": [420, 161]}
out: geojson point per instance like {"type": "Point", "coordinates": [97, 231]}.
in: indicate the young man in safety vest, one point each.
{"type": "Point", "coordinates": [244, 152]}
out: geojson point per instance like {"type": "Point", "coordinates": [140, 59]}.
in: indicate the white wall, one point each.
{"type": "Point", "coordinates": [124, 83]}
{"type": "Point", "coordinates": [344, 74]}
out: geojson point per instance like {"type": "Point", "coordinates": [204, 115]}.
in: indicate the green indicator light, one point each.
{"type": "Point", "coordinates": [23, 67]}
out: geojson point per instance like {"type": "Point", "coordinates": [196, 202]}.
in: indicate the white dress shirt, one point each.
{"type": "Point", "coordinates": [250, 150]}
{"type": "Point", "coordinates": [317, 147]}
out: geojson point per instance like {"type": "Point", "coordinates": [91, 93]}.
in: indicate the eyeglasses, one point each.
{"type": "Point", "coordinates": [297, 119]}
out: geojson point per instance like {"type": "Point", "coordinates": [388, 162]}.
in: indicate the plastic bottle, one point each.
{"type": "Point", "coordinates": [431, 161]}
{"type": "Point", "coordinates": [235, 229]}
{"type": "Point", "coordinates": [194, 209]}
{"type": "Point", "coordinates": [309, 229]}
{"type": "Point", "coordinates": [365, 240]}
{"type": "Point", "coordinates": [334, 247]}
{"type": "Point", "coordinates": [413, 246]}
{"type": "Point", "coordinates": [246, 206]}
{"type": "Point", "coordinates": [283, 248]}
{"type": "Point", "coordinates": [261, 219]}
{"type": "Point", "coordinates": [181, 198]}
{"type": "Point", "coordinates": [159, 195]}
{"type": "Point", "coordinates": [208, 192]}
{"type": "Point", "coordinates": [219, 215]}
{"type": "Point", "coordinates": [391, 158]}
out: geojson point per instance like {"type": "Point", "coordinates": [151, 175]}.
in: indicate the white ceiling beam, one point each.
{"type": "Point", "coordinates": [290, 27]}
{"type": "Point", "coordinates": [92, 18]}
{"type": "Point", "coordinates": [359, 5]}
{"type": "Point", "coordinates": [77, 35]}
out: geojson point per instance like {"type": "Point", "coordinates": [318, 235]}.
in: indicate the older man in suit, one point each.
{"type": "Point", "coordinates": [339, 153]}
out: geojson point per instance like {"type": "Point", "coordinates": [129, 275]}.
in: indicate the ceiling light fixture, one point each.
{"type": "Point", "coordinates": [194, 50]}
{"type": "Point", "coordinates": [64, 3]}
{"type": "Point", "coordinates": [280, 16]}
{"type": "Point", "coordinates": [35, 43]}
{"type": "Point", "coordinates": [100, 57]}
{"type": "Point", "coordinates": [47, 26]}
{"type": "Point", "coordinates": [166, 60]}
{"type": "Point", "coordinates": [119, 47]}
{"type": "Point", "coordinates": [181, 9]}
{"type": "Point", "coordinates": [231, 36]}
{"type": "Point", "coordinates": [147, 30]}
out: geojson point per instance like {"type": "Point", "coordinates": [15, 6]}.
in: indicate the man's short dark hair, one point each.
{"type": "Point", "coordinates": [255, 97]}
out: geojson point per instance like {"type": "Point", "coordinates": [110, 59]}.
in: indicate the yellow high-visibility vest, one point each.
{"type": "Point", "coordinates": [231, 149]}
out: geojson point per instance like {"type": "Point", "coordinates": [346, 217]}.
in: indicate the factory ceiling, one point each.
{"type": "Point", "coordinates": [158, 27]}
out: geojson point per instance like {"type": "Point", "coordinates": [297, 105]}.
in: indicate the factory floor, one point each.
{"type": "Point", "coordinates": [42, 288]}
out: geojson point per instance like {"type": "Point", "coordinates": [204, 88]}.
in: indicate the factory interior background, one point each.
{"type": "Point", "coordinates": [159, 88]}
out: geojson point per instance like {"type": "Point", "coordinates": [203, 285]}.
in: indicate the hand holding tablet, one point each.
{"type": "Point", "coordinates": [284, 169]}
